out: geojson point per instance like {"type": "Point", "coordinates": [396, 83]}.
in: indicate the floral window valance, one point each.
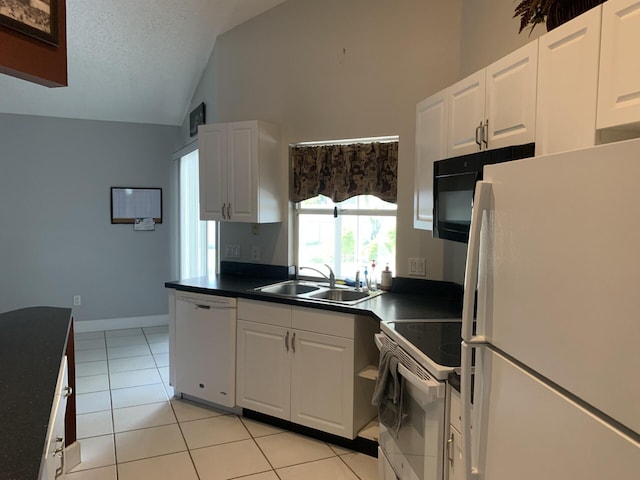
{"type": "Point", "coordinates": [344, 171]}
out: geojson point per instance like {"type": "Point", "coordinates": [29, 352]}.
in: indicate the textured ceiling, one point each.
{"type": "Point", "coordinates": [132, 60]}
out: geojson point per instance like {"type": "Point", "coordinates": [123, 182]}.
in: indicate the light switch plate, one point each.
{"type": "Point", "coordinates": [417, 267]}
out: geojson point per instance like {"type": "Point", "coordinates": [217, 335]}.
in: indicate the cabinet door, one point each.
{"type": "Point", "coordinates": [322, 382]}
{"type": "Point", "coordinates": [53, 461]}
{"type": "Point", "coordinates": [568, 62]}
{"type": "Point", "coordinates": [263, 368]}
{"type": "Point", "coordinates": [431, 145]}
{"type": "Point", "coordinates": [242, 174]}
{"type": "Point", "coordinates": [454, 453]}
{"type": "Point", "coordinates": [511, 98]}
{"type": "Point", "coordinates": [212, 145]}
{"type": "Point", "coordinates": [619, 88]}
{"type": "Point", "coordinates": [466, 114]}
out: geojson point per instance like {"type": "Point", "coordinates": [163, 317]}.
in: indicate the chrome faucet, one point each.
{"type": "Point", "coordinates": [331, 277]}
{"type": "Point", "coordinates": [357, 282]}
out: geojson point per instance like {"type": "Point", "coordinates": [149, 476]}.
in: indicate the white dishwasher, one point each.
{"type": "Point", "coordinates": [205, 347]}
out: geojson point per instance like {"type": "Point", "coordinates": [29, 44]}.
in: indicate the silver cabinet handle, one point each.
{"type": "Point", "coordinates": [485, 133]}
{"type": "Point", "coordinates": [229, 212]}
{"type": "Point", "coordinates": [223, 216]}
{"type": "Point", "coordinates": [286, 341]}
{"type": "Point", "coordinates": [293, 342]}
{"type": "Point", "coordinates": [479, 135]}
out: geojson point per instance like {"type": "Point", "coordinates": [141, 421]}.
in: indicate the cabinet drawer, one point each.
{"type": "Point", "coordinates": [323, 321]}
{"type": "Point", "coordinates": [264, 312]}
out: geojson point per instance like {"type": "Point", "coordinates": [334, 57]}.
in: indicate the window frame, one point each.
{"type": "Point", "coordinates": [368, 212]}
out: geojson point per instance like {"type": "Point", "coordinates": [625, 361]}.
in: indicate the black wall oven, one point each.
{"type": "Point", "coordinates": [454, 182]}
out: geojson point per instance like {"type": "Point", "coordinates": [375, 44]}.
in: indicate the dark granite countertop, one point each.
{"type": "Point", "coordinates": [33, 342]}
{"type": "Point", "coordinates": [409, 298]}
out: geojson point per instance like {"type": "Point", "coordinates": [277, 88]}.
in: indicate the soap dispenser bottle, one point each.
{"type": "Point", "coordinates": [385, 282]}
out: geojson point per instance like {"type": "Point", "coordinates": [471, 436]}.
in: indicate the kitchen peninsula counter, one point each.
{"type": "Point", "coordinates": [33, 342]}
{"type": "Point", "coordinates": [409, 298]}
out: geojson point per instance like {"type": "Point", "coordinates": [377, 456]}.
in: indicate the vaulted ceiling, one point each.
{"type": "Point", "coordinates": [132, 61]}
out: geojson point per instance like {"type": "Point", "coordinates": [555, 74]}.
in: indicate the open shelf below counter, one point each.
{"type": "Point", "coordinates": [370, 372]}
{"type": "Point", "coordinates": [371, 431]}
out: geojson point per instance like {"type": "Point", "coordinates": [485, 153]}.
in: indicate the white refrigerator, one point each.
{"type": "Point", "coordinates": [554, 256]}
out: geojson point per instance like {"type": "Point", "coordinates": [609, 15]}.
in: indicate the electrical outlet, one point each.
{"type": "Point", "coordinates": [417, 267]}
{"type": "Point", "coordinates": [255, 253]}
{"type": "Point", "coordinates": [77, 300]}
{"type": "Point", "coordinates": [232, 250]}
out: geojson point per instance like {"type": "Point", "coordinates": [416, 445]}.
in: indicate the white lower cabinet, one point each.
{"type": "Point", "coordinates": [53, 461]}
{"type": "Point", "coordinates": [322, 382]}
{"type": "Point", "coordinates": [454, 442]}
{"type": "Point", "coordinates": [263, 369]}
{"type": "Point", "coordinates": [299, 364]}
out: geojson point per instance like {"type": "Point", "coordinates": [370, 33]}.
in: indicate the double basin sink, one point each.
{"type": "Point", "coordinates": [306, 290]}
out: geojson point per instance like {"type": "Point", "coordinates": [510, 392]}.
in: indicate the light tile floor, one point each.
{"type": "Point", "coordinates": [131, 427]}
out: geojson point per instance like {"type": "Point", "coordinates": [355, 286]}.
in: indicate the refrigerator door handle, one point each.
{"type": "Point", "coordinates": [480, 203]}
{"type": "Point", "coordinates": [470, 471]}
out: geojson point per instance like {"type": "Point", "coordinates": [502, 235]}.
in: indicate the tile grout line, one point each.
{"type": "Point", "coordinates": [113, 423]}
{"type": "Point", "coordinates": [184, 439]}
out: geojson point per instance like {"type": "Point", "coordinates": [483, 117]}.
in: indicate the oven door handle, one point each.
{"type": "Point", "coordinates": [377, 338]}
{"type": "Point", "coordinates": [431, 388]}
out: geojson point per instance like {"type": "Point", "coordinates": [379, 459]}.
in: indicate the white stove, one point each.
{"type": "Point", "coordinates": [428, 351]}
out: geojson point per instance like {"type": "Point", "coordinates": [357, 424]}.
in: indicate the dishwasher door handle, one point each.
{"type": "Point", "coordinates": [205, 307]}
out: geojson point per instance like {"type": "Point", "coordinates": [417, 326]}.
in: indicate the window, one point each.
{"type": "Point", "coordinates": [345, 194]}
{"type": "Point", "coordinates": [197, 237]}
{"type": "Point", "coordinates": [348, 235]}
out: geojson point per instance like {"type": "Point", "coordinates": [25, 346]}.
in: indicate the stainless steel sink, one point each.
{"type": "Point", "coordinates": [288, 288]}
{"type": "Point", "coordinates": [306, 290]}
{"type": "Point", "coordinates": [339, 295]}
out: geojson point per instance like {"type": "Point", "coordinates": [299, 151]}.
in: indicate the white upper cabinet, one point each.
{"type": "Point", "coordinates": [568, 61]}
{"type": "Point", "coordinates": [431, 145]}
{"type": "Point", "coordinates": [466, 115]}
{"type": "Point", "coordinates": [511, 98]}
{"type": "Point", "coordinates": [240, 178]}
{"type": "Point", "coordinates": [495, 107]}
{"type": "Point", "coordinates": [619, 88]}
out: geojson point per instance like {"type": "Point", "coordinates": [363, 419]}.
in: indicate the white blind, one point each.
{"type": "Point", "coordinates": [193, 231]}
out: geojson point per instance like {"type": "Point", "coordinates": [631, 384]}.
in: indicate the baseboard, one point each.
{"type": "Point", "coordinates": [120, 323]}
{"type": "Point", "coordinates": [72, 456]}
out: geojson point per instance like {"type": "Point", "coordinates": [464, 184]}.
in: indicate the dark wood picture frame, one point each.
{"type": "Point", "coordinates": [196, 117]}
{"type": "Point", "coordinates": [22, 16]}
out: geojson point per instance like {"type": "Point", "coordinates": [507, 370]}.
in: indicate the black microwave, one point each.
{"type": "Point", "coordinates": [454, 182]}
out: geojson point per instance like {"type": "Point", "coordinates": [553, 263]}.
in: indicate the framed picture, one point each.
{"type": "Point", "coordinates": [36, 18]}
{"type": "Point", "coordinates": [129, 204]}
{"type": "Point", "coordinates": [196, 117]}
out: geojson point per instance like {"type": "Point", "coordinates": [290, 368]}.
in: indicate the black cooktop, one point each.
{"type": "Point", "coordinates": [438, 340]}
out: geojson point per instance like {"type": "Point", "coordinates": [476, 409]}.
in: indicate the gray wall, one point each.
{"type": "Point", "coordinates": [331, 70]}
{"type": "Point", "coordinates": [56, 239]}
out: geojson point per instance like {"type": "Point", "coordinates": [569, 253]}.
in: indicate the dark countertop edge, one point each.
{"type": "Point", "coordinates": [416, 299]}
{"type": "Point", "coordinates": [25, 420]}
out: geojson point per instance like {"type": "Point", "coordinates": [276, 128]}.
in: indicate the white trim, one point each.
{"type": "Point", "coordinates": [348, 141]}
{"type": "Point", "coordinates": [186, 150]}
{"type": "Point", "coordinates": [120, 323]}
